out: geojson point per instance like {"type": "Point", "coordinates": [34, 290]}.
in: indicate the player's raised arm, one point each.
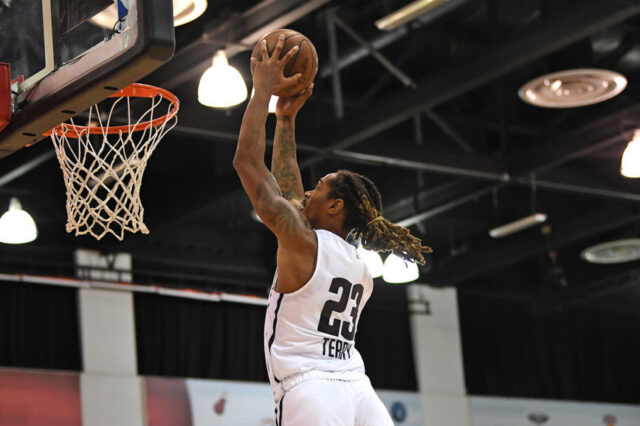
{"type": "Point", "coordinates": [284, 163]}
{"type": "Point", "coordinates": [260, 185]}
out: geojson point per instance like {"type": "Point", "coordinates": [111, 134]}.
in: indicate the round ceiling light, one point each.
{"type": "Point", "coordinates": [573, 88]}
{"type": "Point", "coordinates": [183, 11]}
{"type": "Point", "coordinates": [618, 251]}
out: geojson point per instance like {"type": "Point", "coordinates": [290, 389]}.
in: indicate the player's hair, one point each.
{"type": "Point", "coordinates": [364, 220]}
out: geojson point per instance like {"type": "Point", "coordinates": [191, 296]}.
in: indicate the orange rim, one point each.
{"type": "Point", "coordinates": [135, 90]}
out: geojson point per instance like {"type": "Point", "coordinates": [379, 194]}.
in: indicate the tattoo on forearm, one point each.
{"type": "Point", "coordinates": [285, 168]}
{"type": "Point", "coordinates": [278, 214]}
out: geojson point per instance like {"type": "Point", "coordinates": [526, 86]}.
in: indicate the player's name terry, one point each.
{"type": "Point", "coordinates": [336, 348]}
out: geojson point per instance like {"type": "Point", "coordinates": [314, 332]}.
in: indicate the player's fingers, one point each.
{"type": "Point", "coordinates": [307, 93]}
{"type": "Point", "coordinates": [264, 51]}
{"type": "Point", "coordinates": [290, 54]}
{"type": "Point", "coordinates": [292, 80]}
{"type": "Point", "coordinates": [308, 90]}
{"type": "Point", "coordinates": [304, 95]}
{"type": "Point", "coordinates": [279, 44]}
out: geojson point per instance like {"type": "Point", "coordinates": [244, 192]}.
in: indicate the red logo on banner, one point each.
{"type": "Point", "coordinates": [218, 407]}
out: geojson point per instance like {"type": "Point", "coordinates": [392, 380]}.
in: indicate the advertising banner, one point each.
{"type": "Point", "coordinates": [488, 411]}
{"type": "Point", "coordinates": [196, 402]}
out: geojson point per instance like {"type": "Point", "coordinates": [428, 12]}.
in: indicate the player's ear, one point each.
{"type": "Point", "coordinates": [336, 206]}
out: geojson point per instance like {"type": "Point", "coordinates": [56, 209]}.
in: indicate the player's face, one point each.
{"type": "Point", "coordinates": [316, 201]}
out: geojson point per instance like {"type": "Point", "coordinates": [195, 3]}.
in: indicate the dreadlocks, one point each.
{"type": "Point", "coordinates": [365, 221]}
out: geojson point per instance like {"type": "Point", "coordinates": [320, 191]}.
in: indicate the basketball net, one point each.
{"type": "Point", "coordinates": [103, 164]}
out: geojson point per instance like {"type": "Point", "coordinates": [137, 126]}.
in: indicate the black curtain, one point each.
{"type": "Point", "coordinates": [511, 348]}
{"type": "Point", "coordinates": [384, 339]}
{"type": "Point", "coordinates": [39, 326]}
{"type": "Point", "coordinates": [191, 338]}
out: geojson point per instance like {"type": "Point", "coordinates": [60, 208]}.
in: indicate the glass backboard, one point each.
{"type": "Point", "coordinates": [66, 55]}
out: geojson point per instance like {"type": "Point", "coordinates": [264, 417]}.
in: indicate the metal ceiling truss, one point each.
{"type": "Point", "coordinates": [452, 81]}
{"type": "Point", "coordinates": [433, 90]}
{"type": "Point", "coordinates": [445, 85]}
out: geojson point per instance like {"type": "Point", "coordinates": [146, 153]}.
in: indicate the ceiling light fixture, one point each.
{"type": "Point", "coordinates": [16, 225]}
{"type": "Point", "coordinates": [573, 88]}
{"type": "Point", "coordinates": [414, 10]}
{"type": "Point", "coordinates": [518, 225]}
{"type": "Point", "coordinates": [184, 11]}
{"type": "Point", "coordinates": [630, 164]}
{"type": "Point", "coordinates": [398, 270]}
{"type": "Point", "coordinates": [373, 261]}
{"type": "Point", "coordinates": [221, 86]}
{"type": "Point", "coordinates": [618, 251]}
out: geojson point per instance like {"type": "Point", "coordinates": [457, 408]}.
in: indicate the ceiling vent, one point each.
{"type": "Point", "coordinates": [618, 251]}
{"type": "Point", "coordinates": [573, 88]}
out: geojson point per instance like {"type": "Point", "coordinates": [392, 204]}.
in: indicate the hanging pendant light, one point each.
{"type": "Point", "coordinates": [373, 261]}
{"type": "Point", "coordinates": [630, 164]}
{"type": "Point", "coordinates": [221, 86]}
{"type": "Point", "coordinates": [398, 270]}
{"type": "Point", "coordinates": [16, 225]}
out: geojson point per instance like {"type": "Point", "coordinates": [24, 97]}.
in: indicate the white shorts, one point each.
{"type": "Point", "coordinates": [321, 402]}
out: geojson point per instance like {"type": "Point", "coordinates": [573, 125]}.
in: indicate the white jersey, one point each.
{"type": "Point", "coordinates": [314, 328]}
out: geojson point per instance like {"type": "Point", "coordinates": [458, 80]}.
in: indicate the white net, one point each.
{"type": "Point", "coordinates": [102, 164]}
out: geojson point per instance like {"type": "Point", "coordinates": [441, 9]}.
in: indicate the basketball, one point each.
{"type": "Point", "coordinates": [304, 62]}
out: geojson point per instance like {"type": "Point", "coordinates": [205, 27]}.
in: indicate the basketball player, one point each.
{"type": "Point", "coordinates": [321, 285]}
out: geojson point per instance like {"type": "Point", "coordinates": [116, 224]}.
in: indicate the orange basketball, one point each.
{"type": "Point", "coordinates": [304, 62]}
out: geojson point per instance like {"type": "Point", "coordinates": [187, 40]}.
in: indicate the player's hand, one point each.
{"type": "Point", "coordinates": [268, 76]}
{"type": "Point", "coordinates": [289, 106]}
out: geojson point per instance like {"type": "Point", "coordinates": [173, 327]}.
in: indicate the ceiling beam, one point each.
{"type": "Point", "coordinates": [558, 181]}
{"type": "Point", "coordinates": [563, 181]}
{"type": "Point", "coordinates": [408, 155]}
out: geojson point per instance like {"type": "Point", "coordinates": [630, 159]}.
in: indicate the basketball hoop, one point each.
{"type": "Point", "coordinates": [102, 164]}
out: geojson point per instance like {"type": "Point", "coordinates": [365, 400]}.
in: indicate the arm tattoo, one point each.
{"type": "Point", "coordinates": [278, 215]}
{"type": "Point", "coordinates": [284, 164]}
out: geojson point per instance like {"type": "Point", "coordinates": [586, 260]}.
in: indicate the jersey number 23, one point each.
{"type": "Point", "coordinates": [334, 326]}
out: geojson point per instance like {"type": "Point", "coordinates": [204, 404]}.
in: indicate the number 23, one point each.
{"type": "Point", "coordinates": [336, 327]}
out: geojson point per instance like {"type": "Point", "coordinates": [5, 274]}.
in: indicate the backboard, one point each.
{"type": "Point", "coordinates": [64, 59]}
